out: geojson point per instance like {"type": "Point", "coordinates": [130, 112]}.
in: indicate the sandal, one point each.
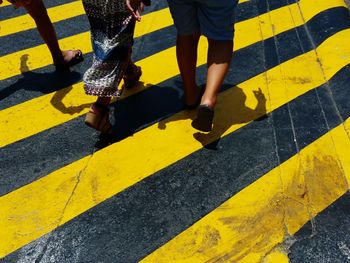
{"type": "Point", "coordinates": [99, 120]}
{"type": "Point", "coordinates": [131, 80]}
{"type": "Point", "coordinates": [204, 120]}
{"type": "Point", "coordinates": [77, 58]}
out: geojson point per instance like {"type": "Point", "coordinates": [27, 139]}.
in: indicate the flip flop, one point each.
{"type": "Point", "coordinates": [204, 120]}
{"type": "Point", "coordinates": [78, 57]}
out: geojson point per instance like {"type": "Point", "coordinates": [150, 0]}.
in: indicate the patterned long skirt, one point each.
{"type": "Point", "coordinates": [112, 30]}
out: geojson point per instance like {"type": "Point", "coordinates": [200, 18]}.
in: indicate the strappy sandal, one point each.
{"type": "Point", "coordinates": [131, 80]}
{"type": "Point", "coordinates": [204, 120]}
{"type": "Point", "coordinates": [99, 120]}
{"type": "Point", "coordinates": [78, 57]}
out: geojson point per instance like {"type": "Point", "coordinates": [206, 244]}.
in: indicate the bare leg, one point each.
{"type": "Point", "coordinates": [130, 68]}
{"type": "Point", "coordinates": [219, 59]}
{"type": "Point", "coordinates": [103, 101]}
{"type": "Point", "coordinates": [38, 12]}
{"type": "Point", "coordinates": [186, 52]}
{"type": "Point", "coordinates": [98, 116]}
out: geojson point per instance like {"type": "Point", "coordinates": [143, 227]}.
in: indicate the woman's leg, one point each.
{"type": "Point", "coordinates": [104, 101]}
{"type": "Point", "coordinates": [131, 75]}
{"type": "Point", "coordinates": [115, 26]}
{"type": "Point", "coordinates": [38, 12]}
{"type": "Point", "coordinates": [98, 116]}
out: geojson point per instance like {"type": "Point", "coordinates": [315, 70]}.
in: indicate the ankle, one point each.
{"type": "Point", "coordinates": [98, 108]}
{"type": "Point", "coordinates": [94, 109]}
{"type": "Point", "coordinates": [58, 58]}
{"type": "Point", "coordinates": [130, 69]}
{"type": "Point", "coordinates": [210, 102]}
{"type": "Point", "coordinates": [192, 96]}
{"type": "Point", "coordinates": [58, 61]}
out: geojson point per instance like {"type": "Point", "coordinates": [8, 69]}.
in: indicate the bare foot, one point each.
{"type": "Point", "coordinates": [69, 58]}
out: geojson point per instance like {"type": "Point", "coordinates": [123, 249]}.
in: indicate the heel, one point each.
{"type": "Point", "coordinates": [99, 120]}
{"type": "Point", "coordinates": [131, 80]}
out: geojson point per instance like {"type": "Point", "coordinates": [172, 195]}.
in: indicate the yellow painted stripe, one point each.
{"type": "Point", "coordinates": [54, 15]}
{"type": "Point", "coordinates": [25, 22]}
{"type": "Point", "coordinates": [39, 56]}
{"type": "Point", "coordinates": [42, 206]}
{"type": "Point", "coordinates": [274, 257]}
{"type": "Point", "coordinates": [309, 8]}
{"type": "Point", "coordinates": [261, 216]}
{"type": "Point", "coordinates": [75, 103]}
{"type": "Point", "coordinates": [5, 3]}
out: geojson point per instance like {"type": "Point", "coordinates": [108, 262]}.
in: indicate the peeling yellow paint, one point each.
{"type": "Point", "coordinates": [262, 215]}
{"type": "Point", "coordinates": [318, 181]}
{"type": "Point", "coordinates": [39, 202]}
{"type": "Point", "coordinates": [245, 228]}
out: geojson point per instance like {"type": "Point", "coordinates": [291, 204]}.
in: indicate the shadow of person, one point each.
{"type": "Point", "coordinates": [148, 105]}
{"type": "Point", "coordinates": [43, 83]}
{"type": "Point", "coordinates": [57, 102]}
{"type": "Point", "coordinates": [232, 110]}
{"type": "Point", "coordinates": [153, 104]}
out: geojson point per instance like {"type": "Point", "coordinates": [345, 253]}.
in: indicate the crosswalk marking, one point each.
{"type": "Point", "coordinates": [25, 22]}
{"type": "Point", "coordinates": [5, 3]}
{"type": "Point", "coordinates": [42, 206]}
{"type": "Point", "coordinates": [39, 56]}
{"type": "Point", "coordinates": [74, 98]}
{"type": "Point", "coordinates": [308, 10]}
{"type": "Point", "coordinates": [269, 210]}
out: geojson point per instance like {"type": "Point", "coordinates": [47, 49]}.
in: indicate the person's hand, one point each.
{"type": "Point", "coordinates": [135, 7]}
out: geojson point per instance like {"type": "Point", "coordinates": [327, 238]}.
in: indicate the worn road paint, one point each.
{"type": "Point", "coordinates": [251, 223]}
{"type": "Point", "coordinates": [75, 103]}
{"type": "Point", "coordinates": [42, 206]}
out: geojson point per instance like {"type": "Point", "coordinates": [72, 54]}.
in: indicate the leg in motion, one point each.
{"type": "Point", "coordinates": [219, 59]}
{"type": "Point", "coordinates": [61, 59]}
{"type": "Point", "coordinates": [186, 53]}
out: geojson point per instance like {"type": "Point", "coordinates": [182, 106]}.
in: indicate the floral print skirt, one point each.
{"type": "Point", "coordinates": [112, 30]}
